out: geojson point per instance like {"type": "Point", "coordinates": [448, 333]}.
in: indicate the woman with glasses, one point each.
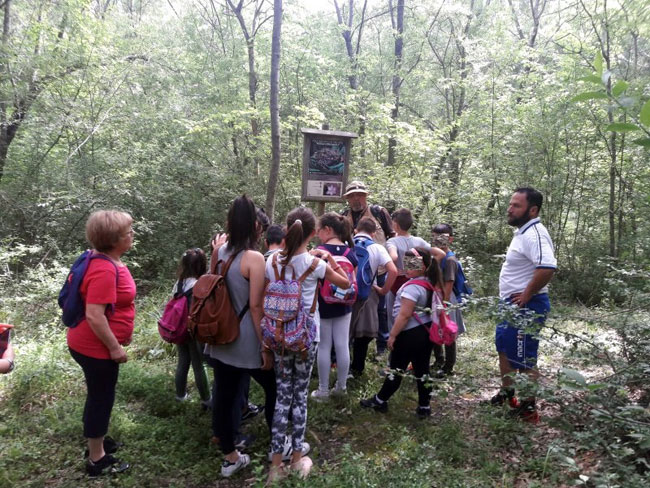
{"type": "Point", "coordinates": [97, 342]}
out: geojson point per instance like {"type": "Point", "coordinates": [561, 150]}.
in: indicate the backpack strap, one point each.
{"type": "Point", "coordinates": [280, 275]}
{"type": "Point", "coordinates": [97, 255]}
{"type": "Point", "coordinates": [309, 271]}
{"type": "Point", "coordinates": [425, 284]}
{"type": "Point", "coordinates": [180, 284]}
{"type": "Point", "coordinates": [377, 212]}
{"type": "Point", "coordinates": [214, 260]}
{"type": "Point", "coordinates": [313, 304]}
{"type": "Point", "coordinates": [226, 267]}
{"type": "Point", "coordinates": [274, 264]}
{"type": "Point", "coordinates": [224, 273]}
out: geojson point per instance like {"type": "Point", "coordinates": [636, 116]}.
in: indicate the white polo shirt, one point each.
{"type": "Point", "coordinates": [531, 248]}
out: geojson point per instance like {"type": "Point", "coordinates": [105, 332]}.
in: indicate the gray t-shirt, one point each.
{"type": "Point", "coordinates": [422, 298]}
{"type": "Point", "coordinates": [402, 244]}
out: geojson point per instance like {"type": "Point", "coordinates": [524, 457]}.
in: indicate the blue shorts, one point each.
{"type": "Point", "coordinates": [520, 343]}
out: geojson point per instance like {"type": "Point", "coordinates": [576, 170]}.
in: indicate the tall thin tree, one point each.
{"type": "Point", "coordinates": [274, 108]}
{"type": "Point", "coordinates": [397, 19]}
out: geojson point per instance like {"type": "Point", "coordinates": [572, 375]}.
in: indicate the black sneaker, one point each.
{"type": "Point", "coordinates": [423, 412]}
{"type": "Point", "coordinates": [251, 412]}
{"type": "Point", "coordinates": [106, 465]}
{"type": "Point", "coordinates": [110, 446]}
{"type": "Point", "coordinates": [244, 441]}
{"type": "Point", "coordinates": [503, 396]}
{"type": "Point", "coordinates": [375, 404]}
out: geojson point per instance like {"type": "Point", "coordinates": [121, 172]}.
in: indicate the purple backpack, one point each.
{"type": "Point", "coordinates": [286, 326]}
{"type": "Point", "coordinates": [70, 301]}
{"type": "Point", "coordinates": [172, 326]}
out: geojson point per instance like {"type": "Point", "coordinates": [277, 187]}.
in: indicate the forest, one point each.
{"type": "Point", "coordinates": [170, 109]}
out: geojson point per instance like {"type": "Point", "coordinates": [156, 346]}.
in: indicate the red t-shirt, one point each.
{"type": "Point", "coordinates": [98, 287]}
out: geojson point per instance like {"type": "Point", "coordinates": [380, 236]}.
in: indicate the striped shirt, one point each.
{"type": "Point", "coordinates": [531, 248]}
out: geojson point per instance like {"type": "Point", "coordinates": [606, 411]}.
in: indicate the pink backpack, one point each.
{"type": "Point", "coordinates": [286, 325]}
{"type": "Point", "coordinates": [335, 295]}
{"type": "Point", "coordinates": [443, 330]}
{"type": "Point", "coordinates": [172, 326]}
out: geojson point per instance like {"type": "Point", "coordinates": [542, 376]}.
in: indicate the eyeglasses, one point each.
{"type": "Point", "coordinates": [129, 232]}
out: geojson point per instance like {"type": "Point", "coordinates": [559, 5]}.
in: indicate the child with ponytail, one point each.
{"type": "Point", "coordinates": [293, 370]}
{"type": "Point", "coordinates": [192, 266]}
{"type": "Point", "coordinates": [335, 235]}
{"type": "Point", "coordinates": [409, 336]}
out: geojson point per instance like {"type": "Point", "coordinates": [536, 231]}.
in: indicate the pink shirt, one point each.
{"type": "Point", "coordinates": [98, 287]}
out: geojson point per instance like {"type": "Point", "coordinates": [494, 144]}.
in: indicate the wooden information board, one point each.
{"type": "Point", "coordinates": [325, 163]}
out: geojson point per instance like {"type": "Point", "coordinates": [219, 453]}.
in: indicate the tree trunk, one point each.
{"type": "Point", "coordinates": [398, 28]}
{"type": "Point", "coordinates": [249, 37]}
{"type": "Point", "coordinates": [4, 127]}
{"type": "Point", "coordinates": [275, 109]}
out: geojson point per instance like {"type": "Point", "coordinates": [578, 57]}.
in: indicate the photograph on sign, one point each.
{"type": "Point", "coordinates": [326, 157]}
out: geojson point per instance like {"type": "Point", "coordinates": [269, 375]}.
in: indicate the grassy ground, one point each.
{"type": "Point", "coordinates": [464, 444]}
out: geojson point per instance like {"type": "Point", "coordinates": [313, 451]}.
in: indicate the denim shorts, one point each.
{"type": "Point", "coordinates": [520, 343]}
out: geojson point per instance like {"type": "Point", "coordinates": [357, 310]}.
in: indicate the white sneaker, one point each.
{"type": "Point", "coordinates": [302, 467]}
{"type": "Point", "coordinates": [228, 468]}
{"type": "Point", "coordinates": [287, 449]}
{"type": "Point", "coordinates": [338, 392]}
{"type": "Point", "coordinates": [320, 395]}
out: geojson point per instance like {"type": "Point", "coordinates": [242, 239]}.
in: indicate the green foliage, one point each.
{"type": "Point", "coordinates": [594, 415]}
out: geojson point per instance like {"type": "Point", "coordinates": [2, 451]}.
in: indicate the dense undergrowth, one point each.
{"type": "Point", "coordinates": [595, 428]}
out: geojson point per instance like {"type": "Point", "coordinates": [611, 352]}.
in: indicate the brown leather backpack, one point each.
{"type": "Point", "coordinates": [212, 318]}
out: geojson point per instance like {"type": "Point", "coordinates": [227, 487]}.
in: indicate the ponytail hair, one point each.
{"type": "Point", "coordinates": [300, 224]}
{"type": "Point", "coordinates": [192, 265]}
{"type": "Point", "coordinates": [340, 225]}
{"type": "Point", "coordinates": [241, 225]}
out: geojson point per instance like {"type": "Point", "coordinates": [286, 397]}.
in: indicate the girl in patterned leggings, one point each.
{"type": "Point", "coordinates": [293, 370]}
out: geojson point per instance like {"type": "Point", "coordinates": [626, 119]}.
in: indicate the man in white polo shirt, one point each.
{"type": "Point", "coordinates": [529, 266]}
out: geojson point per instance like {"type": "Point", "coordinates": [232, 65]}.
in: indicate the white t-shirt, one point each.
{"type": "Point", "coordinates": [531, 248]}
{"type": "Point", "coordinates": [300, 264]}
{"type": "Point", "coordinates": [377, 255]}
{"type": "Point", "coordinates": [188, 283]}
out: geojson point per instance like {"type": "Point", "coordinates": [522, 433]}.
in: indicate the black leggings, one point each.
{"type": "Point", "coordinates": [227, 405]}
{"type": "Point", "coordinates": [411, 346]}
{"type": "Point", "coordinates": [359, 353]}
{"type": "Point", "coordinates": [101, 379]}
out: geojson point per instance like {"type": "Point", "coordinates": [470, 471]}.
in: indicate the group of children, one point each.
{"type": "Point", "coordinates": [415, 269]}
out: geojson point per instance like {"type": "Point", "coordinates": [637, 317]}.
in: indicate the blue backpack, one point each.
{"type": "Point", "coordinates": [365, 276]}
{"type": "Point", "coordinates": [70, 301]}
{"type": "Point", "coordinates": [461, 287]}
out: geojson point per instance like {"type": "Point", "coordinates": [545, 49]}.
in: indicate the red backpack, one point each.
{"type": "Point", "coordinates": [172, 326]}
{"type": "Point", "coordinates": [332, 293]}
{"type": "Point", "coordinates": [443, 330]}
